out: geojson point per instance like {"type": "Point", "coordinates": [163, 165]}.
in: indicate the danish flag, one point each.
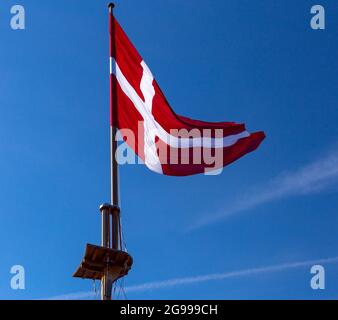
{"type": "Point", "coordinates": [166, 142]}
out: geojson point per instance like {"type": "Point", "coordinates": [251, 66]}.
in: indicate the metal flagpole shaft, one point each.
{"type": "Point", "coordinates": [106, 282]}
{"type": "Point", "coordinates": [113, 115]}
{"type": "Point", "coordinates": [110, 214]}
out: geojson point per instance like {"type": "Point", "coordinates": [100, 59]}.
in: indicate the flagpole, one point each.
{"type": "Point", "coordinates": [113, 116]}
{"type": "Point", "coordinates": [108, 262]}
{"type": "Point", "coordinates": [111, 214]}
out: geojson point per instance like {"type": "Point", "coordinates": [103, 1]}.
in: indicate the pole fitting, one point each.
{"type": "Point", "coordinates": [111, 6]}
{"type": "Point", "coordinates": [110, 208]}
{"type": "Point", "coordinates": [106, 207]}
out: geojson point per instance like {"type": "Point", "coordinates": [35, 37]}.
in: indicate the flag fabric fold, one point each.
{"type": "Point", "coordinates": [168, 143]}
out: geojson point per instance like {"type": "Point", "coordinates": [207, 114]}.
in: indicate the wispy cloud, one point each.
{"type": "Point", "coordinates": [73, 296]}
{"type": "Point", "coordinates": [309, 179]}
{"type": "Point", "coordinates": [151, 286]}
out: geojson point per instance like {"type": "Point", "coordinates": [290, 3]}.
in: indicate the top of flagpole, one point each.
{"type": "Point", "coordinates": [111, 6]}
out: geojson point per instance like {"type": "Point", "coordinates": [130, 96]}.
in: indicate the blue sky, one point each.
{"type": "Point", "coordinates": [257, 62]}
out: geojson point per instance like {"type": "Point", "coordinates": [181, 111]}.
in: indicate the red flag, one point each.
{"type": "Point", "coordinates": [167, 143]}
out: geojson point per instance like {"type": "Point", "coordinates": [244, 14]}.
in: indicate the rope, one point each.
{"type": "Point", "coordinates": [114, 290]}
{"type": "Point", "coordinates": [123, 239]}
{"type": "Point", "coordinates": [95, 290]}
{"type": "Point", "coordinates": [123, 290]}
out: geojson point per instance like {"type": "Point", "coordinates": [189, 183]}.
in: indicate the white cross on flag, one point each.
{"type": "Point", "coordinates": [167, 143]}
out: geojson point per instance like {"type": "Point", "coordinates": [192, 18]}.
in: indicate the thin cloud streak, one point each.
{"type": "Point", "coordinates": [73, 296]}
{"type": "Point", "coordinates": [151, 286]}
{"type": "Point", "coordinates": [312, 178]}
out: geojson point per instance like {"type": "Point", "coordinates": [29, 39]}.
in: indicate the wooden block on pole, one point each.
{"type": "Point", "coordinates": [97, 259]}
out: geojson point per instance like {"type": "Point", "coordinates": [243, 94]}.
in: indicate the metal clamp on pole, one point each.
{"type": "Point", "coordinates": [111, 227]}
{"type": "Point", "coordinates": [105, 212]}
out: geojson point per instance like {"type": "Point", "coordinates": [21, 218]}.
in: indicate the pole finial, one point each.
{"type": "Point", "coordinates": [111, 6]}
